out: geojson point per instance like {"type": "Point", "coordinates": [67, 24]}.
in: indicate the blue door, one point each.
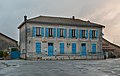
{"type": "Point", "coordinates": [61, 48]}
{"type": "Point", "coordinates": [83, 48]}
{"type": "Point", "coordinates": [50, 49]}
{"type": "Point", "coordinates": [93, 48]}
{"type": "Point", "coordinates": [38, 47]}
{"type": "Point", "coordinates": [73, 48]}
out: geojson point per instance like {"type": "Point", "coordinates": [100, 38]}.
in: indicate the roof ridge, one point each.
{"type": "Point", "coordinates": [63, 20]}
{"type": "Point", "coordinates": [57, 17]}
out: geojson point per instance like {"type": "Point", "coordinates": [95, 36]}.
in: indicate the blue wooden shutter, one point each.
{"type": "Point", "coordinates": [76, 33]}
{"type": "Point", "coordinates": [46, 32]}
{"type": "Point", "coordinates": [70, 33]}
{"type": "Point", "coordinates": [97, 34]}
{"type": "Point", "coordinates": [38, 47]}
{"type": "Point", "coordinates": [33, 31]}
{"type": "Point", "coordinates": [61, 48]}
{"type": "Point", "coordinates": [73, 48]}
{"type": "Point", "coordinates": [65, 33]}
{"type": "Point", "coordinates": [42, 31]}
{"type": "Point", "coordinates": [54, 32]}
{"type": "Point", "coordinates": [93, 48]}
{"type": "Point", "coordinates": [86, 33]}
{"type": "Point", "coordinates": [80, 35]}
{"type": "Point", "coordinates": [58, 32]}
{"type": "Point", "coordinates": [90, 34]}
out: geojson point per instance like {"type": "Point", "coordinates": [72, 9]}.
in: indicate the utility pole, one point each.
{"type": "Point", "coordinates": [25, 19]}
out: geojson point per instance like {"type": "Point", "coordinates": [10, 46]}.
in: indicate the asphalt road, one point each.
{"type": "Point", "coordinates": [110, 67]}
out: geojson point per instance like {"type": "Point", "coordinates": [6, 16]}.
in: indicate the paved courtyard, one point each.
{"type": "Point", "coordinates": [110, 67]}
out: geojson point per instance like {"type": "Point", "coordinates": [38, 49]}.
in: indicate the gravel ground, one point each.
{"type": "Point", "coordinates": [110, 67]}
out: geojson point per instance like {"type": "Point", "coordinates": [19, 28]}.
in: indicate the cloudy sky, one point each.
{"type": "Point", "coordinates": [105, 12]}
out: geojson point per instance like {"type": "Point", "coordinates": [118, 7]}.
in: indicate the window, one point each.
{"type": "Point", "coordinates": [83, 34]}
{"type": "Point", "coordinates": [93, 33]}
{"type": "Point", "coordinates": [61, 32]}
{"type": "Point", "coordinates": [73, 33]}
{"type": "Point", "coordinates": [38, 31]}
{"type": "Point", "coordinates": [50, 30]}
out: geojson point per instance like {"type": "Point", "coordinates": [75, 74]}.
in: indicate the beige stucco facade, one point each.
{"type": "Point", "coordinates": [31, 41]}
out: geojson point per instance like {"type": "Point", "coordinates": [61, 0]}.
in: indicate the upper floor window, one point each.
{"type": "Point", "coordinates": [38, 31]}
{"type": "Point", "coordinates": [83, 34]}
{"type": "Point", "coordinates": [73, 33]}
{"type": "Point", "coordinates": [61, 32]}
{"type": "Point", "coordinates": [50, 32]}
{"type": "Point", "coordinates": [93, 33]}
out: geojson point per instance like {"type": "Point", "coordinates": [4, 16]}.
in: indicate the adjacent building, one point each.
{"type": "Point", "coordinates": [58, 36]}
{"type": "Point", "coordinates": [6, 42]}
{"type": "Point", "coordinates": [111, 50]}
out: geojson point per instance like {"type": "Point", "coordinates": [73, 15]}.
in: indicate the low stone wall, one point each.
{"type": "Point", "coordinates": [94, 57]}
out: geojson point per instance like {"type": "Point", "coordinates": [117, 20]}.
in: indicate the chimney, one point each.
{"type": "Point", "coordinates": [73, 17]}
{"type": "Point", "coordinates": [25, 18]}
{"type": "Point", "coordinates": [88, 21]}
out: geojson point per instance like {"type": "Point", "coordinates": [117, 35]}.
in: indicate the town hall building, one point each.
{"type": "Point", "coordinates": [72, 38]}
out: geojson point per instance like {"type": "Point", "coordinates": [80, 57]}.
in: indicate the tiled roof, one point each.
{"type": "Point", "coordinates": [61, 21]}
{"type": "Point", "coordinates": [110, 43]}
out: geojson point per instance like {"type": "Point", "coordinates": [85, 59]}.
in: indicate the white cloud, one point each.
{"type": "Point", "coordinates": [108, 14]}
{"type": "Point", "coordinates": [101, 11]}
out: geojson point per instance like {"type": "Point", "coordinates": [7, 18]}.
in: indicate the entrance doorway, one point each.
{"type": "Point", "coordinates": [83, 48]}
{"type": "Point", "coordinates": [50, 49]}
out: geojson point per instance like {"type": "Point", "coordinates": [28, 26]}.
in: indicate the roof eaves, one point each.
{"type": "Point", "coordinates": [21, 25]}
